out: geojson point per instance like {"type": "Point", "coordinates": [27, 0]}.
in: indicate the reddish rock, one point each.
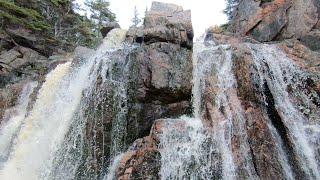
{"type": "Point", "coordinates": [275, 20]}
{"type": "Point", "coordinates": [164, 23]}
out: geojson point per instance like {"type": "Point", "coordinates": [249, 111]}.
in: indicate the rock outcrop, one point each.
{"type": "Point", "coordinates": [278, 20]}
{"type": "Point", "coordinates": [165, 23]}
{"type": "Point", "coordinates": [146, 82]}
{"type": "Point", "coordinates": [108, 27]}
{"type": "Point", "coordinates": [161, 69]}
{"type": "Point", "coordinates": [256, 113]}
{"type": "Point", "coordinates": [263, 143]}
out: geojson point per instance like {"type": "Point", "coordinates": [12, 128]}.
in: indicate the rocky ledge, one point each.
{"type": "Point", "coordinates": [278, 20]}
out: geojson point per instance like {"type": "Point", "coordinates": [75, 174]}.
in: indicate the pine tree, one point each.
{"type": "Point", "coordinates": [100, 12]}
{"type": "Point", "coordinates": [53, 21]}
{"type": "Point", "coordinates": [135, 20]}
{"type": "Point", "coordinates": [230, 7]}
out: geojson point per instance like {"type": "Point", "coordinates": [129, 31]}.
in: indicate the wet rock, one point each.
{"type": "Point", "coordinates": [9, 96]}
{"type": "Point", "coordinates": [160, 68]}
{"type": "Point", "coordinates": [302, 55]}
{"type": "Point", "coordinates": [213, 38]}
{"type": "Point", "coordinates": [141, 162]}
{"type": "Point", "coordinates": [159, 85]}
{"type": "Point", "coordinates": [82, 53]}
{"type": "Point", "coordinates": [143, 158]}
{"type": "Point", "coordinates": [161, 71]}
{"type": "Point", "coordinates": [108, 27]}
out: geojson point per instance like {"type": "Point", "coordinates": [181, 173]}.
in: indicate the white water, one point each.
{"type": "Point", "coordinates": [45, 128]}
{"type": "Point", "coordinates": [189, 148]}
{"type": "Point", "coordinates": [279, 72]}
{"type": "Point", "coordinates": [12, 121]}
{"type": "Point", "coordinates": [113, 167]}
{"type": "Point", "coordinates": [195, 152]}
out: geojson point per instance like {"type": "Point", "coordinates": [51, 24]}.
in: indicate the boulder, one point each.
{"type": "Point", "coordinates": [8, 56]}
{"type": "Point", "coordinates": [108, 27]}
{"type": "Point", "coordinates": [9, 97]}
{"type": "Point", "coordinates": [165, 23]}
{"type": "Point", "coordinates": [302, 17]}
{"type": "Point", "coordinates": [312, 40]}
{"type": "Point", "coordinates": [161, 68]}
{"type": "Point", "coordinates": [83, 53]}
{"type": "Point", "coordinates": [275, 20]}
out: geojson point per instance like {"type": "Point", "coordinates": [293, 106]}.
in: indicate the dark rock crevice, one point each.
{"type": "Point", "coordinates": [254, 160]}
{"type": "Point", "coordinates": [283, 132]}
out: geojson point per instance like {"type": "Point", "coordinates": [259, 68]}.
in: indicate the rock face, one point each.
{"type": "Point", "coordinates": [146, 82]}
{"type": "Point", "coordinates": [108, 27]}
{"type": "Point", "coordinates": [18, 66]}
{"type": "Point", "coordinates": [257, 89]}
{"type": "Point", "coordinates": [256, 106]}
{"type": "Point", "coordinates": [165, 23]}
{"type": "Point", "coordinates": [278, 20]}
{"type": "Point", "coordinates": [240, 87]}
{"type": "Point", "coordinates": [161, 68]}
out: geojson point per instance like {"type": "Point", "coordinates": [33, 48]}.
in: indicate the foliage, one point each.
{"type": "Point", "coordinates": [100, 13]}
{"type": "Point", "coordinates": [56, 21]}
{"type": "Point", "coordinates": [230, 7]}
{"type": "Point", "coordinates": [24, 16]}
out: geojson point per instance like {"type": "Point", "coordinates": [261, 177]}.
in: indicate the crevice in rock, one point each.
{"type": "Point", "coordinates": [278, 35]}
{"type": "Point", "coordinates": [154, 41]}
{"type": "Point", "coordinates": [254, 161]}
{"type": "Point", "coordinates": [249, 32]}
{"type": "Point", "coordinates": [282, 130]}
{"type": "Point", "coordinates": [263, 2]}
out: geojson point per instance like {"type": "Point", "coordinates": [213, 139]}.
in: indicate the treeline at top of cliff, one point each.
{"type": "Point", "coordinates": [48, 26]}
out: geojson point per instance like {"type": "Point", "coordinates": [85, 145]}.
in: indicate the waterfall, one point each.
{"type": "Point", "coordinates": [45, 128]}
{"type": "Point", "coordinates": [76, 127]}
{"type": "Point", "coordinates": [193, 148]}
{"type": "Point", "coordinates": [13, 119]}
{"type": "Point", "coordinates": [279, 73]}
{"type": "Point", "coordinates": [196, 151]}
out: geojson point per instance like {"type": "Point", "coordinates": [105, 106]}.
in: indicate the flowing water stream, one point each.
{"type": "Point", "coordinates": [62, 136]}
{"type": "Point", "coordinates": [43, 130]}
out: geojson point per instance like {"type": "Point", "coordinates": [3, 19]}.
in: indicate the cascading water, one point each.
{"type": "Point", "coordinates": [278, 73]}
{"type": "Point", "coordinates": [63, 135]}
{"type": "Point", "coordinates": [41, 137]}
{"type": "Point", "coordinates": [12, 122]}
{"type": "Point", "coordinates": [192, 148]}
{"type": "Point", "coordinates": [198, 152]}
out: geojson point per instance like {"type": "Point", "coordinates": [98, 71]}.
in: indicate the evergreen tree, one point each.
{"type": "Point", "coordinates": [135, 20]}
{"type": "Point", "coordinates": [54, 22]}
{"type": "Point", "coordinates": [100, 13]}
{"type": "Point", "coordinates": [230, 7]}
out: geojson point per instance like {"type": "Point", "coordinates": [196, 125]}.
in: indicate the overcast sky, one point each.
{"type": "Point", "coordinates": [204, 12]}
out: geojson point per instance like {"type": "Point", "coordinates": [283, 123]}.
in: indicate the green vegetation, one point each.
{"type": "Point", "coordinates": [23, 16]}
{"type": "Point", "coordinates": [100, 13]}
{"type": "Point", "coordinates": [56, 21]}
